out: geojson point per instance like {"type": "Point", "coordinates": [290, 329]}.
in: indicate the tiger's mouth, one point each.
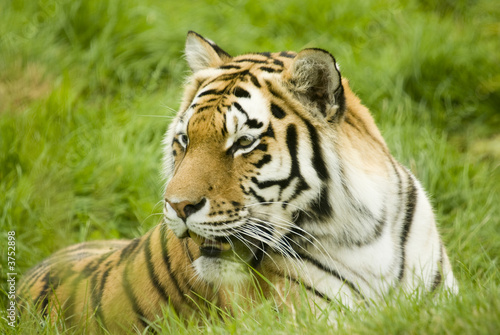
{"type": "Point", "coordinates": [208, 247]}
{"type": "Point", "coordinates": [250, 251]}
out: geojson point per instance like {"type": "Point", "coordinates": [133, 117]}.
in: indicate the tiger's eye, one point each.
{"type": "Point", "coordinates": [183, 139]}
{"type": "Point", "coordinates": [245, 141]}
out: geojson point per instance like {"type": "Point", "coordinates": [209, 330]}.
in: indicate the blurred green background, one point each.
{"type": "Point", "coordinates": [88, 87]}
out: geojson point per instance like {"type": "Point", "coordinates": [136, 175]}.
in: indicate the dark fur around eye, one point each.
{"type": "Point", "coordinates": [241, 143]}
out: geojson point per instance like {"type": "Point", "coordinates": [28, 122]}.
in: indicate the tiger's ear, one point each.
{"type": "Point", "coordinates": [314, 78]}
{"type": "Point", "coordinates": [202, 53]}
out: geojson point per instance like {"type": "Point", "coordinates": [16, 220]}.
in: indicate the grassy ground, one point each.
{"type": "Point", "coordinates": [87, 88]}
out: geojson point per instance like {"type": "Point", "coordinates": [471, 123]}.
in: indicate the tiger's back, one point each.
{"type": "Point", "coordinates": [274, 166]}
{"type": "Point", "coordinates": [118, 283]}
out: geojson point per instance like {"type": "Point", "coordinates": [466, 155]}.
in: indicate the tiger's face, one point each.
{"type": "Point", "coordinates": [243, 161]}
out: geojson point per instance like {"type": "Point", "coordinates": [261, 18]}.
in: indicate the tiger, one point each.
{"type": "Point", "coordinates": [277, 180]}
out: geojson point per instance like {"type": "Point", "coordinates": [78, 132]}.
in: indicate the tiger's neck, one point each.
{"type": "Point", "coordinates": [358, 216]}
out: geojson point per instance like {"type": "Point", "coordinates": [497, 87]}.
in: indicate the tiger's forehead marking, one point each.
{"type": "Point", "coordinates": [246, 68]}
{"type": "Point", "coordinates": [245, 111]}
{"type": "Point", "coordinates": [230, 97]}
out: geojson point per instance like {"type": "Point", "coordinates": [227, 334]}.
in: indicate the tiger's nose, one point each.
{"type": "Point", "coordinates": [186, 208]}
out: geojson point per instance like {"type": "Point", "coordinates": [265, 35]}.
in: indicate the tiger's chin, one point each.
{"type": "Point", "coordinates": [219, 271]}
{"type": "Point", "coordinates": [226, 263]}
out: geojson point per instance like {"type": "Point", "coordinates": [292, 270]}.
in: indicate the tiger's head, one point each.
{"type": "Point", "coordinates": [243, 155]}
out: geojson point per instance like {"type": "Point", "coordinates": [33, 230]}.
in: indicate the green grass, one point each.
{"type": "Point", "coordinates": [87, 89]}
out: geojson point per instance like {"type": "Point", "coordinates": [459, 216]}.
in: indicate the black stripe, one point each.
{"type": "Point", "coordinates": [70, 310]}
{"type": "Point", "coordinates": [238, 107]}
{"type": "Point", "coordinates": [99, 312]}
{"type": "Point", "coordinates": [230, 67]}
{"type": "Point", "coordinates": [228, 77]}
{"type": "Point", "coordinates": [277, 111]}
{"type": "Point", "coordinates": [94, 294]}
{"type": "Point", "coordinates": [204, 108]}
{"type": "Point", "coordinates": [241, 93]}
{"type": "Point", "coordinates": [300, 187]}
{"type": "Point", "coordinates": [52, 281]}
{"type": "Point", "coordinates": [269, 132]}
{"type": "Point", "coordinates": [249, 60]}
{"type": "Point", "coordinates": [166, 261]}
{"type": "Point", "coordinates": [209, 92]}
{"type": "Point", "coordinates": [255, 195]}
{"type": "Point", "coordinates": [151, 271]}
{"type": "Point", "coordinates": [254, 80]}
{"type": "Point", "coordinates": [310, 289]}
{"type": "Point", "coordinates": [129, 292]}
{"type": "Point", "coordinates": [261, 147]}
{"type": "Point", "coordinates": [190, 257]}
{"type": "Point", "coordinates": [321, 206]}
{"type": "Point", "coordinates": [269, 69]}
{"type": "Point", "coordinates": [438, 277]}
{"type": "Point", "coordinates": [307, 287]}
{"type": "Point", "coordinates": [278, 62]}
{"type": "Point", "coordinates": [93, 266]}
{"type": "Point", "coordinates": [318, 160]}
{"type": "Point", "coordinates": [233, 76]}
{"type": "Point", "coordinates": [254, 124]}
{"type": "Point", "coordinates": [128, 250]}
{"type": "Point", "coordinates": [34, 275]}
{"type": "Point", "coordinates": [291, 140]}
{"type": "Point", "coordinates": [333, 273]}
{"type": "Point", "coordinates": [400, 188]}
{"type": "Point", "coordinates": [292, 144]}
{"type": "Point", "coordinates": [264, 160]}
{"type": "Point", "coordinates": [379, 228]}
{"type": "Point", "coordinates": [287, 54]}
{"type": "Point", "coordinates": [224, 126]}
{"type": "Point", "coordinates": [89, 269]}
{"type": "Point", "coordinates": [176, 140]}
{"type": "Point", "coordinates": [40, 269]}
{"type": "Point", "coordinates": [274, 92]}
{"type": "Point", "coordinates": [251, 123]}
{"type": "Point", "coordinates": [186, 249]}
{"type": "Point", "coordinates": [42, 297]}
{"type": "Point", "coordinates": [411, 202]}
